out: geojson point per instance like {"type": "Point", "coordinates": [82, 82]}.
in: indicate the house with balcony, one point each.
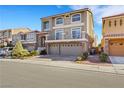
{"type": "Point", "coordinates": [70, 33]}
{"type": "Point", "coordinates": [113, 35]}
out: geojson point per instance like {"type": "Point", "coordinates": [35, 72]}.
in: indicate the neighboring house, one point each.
{"type": "Point", "coordinates": [70, 33]}
{"type": "Point", "coordinates": [113, 35]}
{"type": "Point", "coordinates": [6, 35]}
{"type": "Point", "coordinates": [28, 39]}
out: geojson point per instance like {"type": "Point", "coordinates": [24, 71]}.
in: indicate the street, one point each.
{"type": "Point", "coordinates": [24, 75]}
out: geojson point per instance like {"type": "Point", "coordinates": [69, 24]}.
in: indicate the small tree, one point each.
{"type": "Point", "coordinates": [18, 51]}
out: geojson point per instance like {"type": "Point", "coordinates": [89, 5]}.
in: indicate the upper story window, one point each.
{"type": "Point", "coordinates": [59, 34]}
{"type": "Point", "coordinates": [46, 25]}
{"type": "Point", "coordinates": [115, 22]}
{"type": "Point", "coordinates": [109, 23]}
{"type": "Point", "coordinates": [23, 37]}
{"type": "Point", "coordinates": [76, 33]}
{"type": "Point", "coordinates": [76, 17]}
{"type": "Point", "coordinates": [120, 22]}
{"type": "Point", "coordinates": [59, 21]}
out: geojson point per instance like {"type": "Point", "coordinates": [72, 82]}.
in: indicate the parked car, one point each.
{"type": "Point", "coordinates": [6, 51]}
{"type": "Point", "coordinates": [2, 52]}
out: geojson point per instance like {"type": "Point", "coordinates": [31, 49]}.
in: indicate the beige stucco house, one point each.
{"type": "Point", "coordinates": [113, 35]}
{"type": "Point", "coordinates": [7, 35]}
{"type": "Point", "coordinates": [70, 33]}
{"type": "Point", "coordinates": [28, 39]}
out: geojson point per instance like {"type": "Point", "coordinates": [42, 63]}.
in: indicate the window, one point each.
{"type": "Point", "coordinates": [76, 17]}
{"type": "Point", "coordinates": [120, 22]}
{"type": "Point", "coordinates": [58, 34]}
{"type": "Point", "coordinates": [109, 23]}
{"type": "Point", "coordinates": [59, 21]}
{"type": "Point", "coordinates": [46, 25]}
{"type": "Point", "coordinates": [115, 23]}
{"type": "Point", "coordinates": [76, 33]}
{"type": "Point", "coordinates": [23, 37]}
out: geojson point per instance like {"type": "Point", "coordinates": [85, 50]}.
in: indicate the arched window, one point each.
{"type": "Point", "coordinates": [59, 21]}
{"type": "Point", "coordinates": [76, 17]}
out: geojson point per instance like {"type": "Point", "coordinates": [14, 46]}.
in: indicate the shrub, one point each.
{"type": "Point", "coordinates": [82, 57]}
{"type": "Point", "coordinates": [18, 51]}
{"type": "Point", "coordinates": [34, 53]}
{"type": "Point", "coordinates": [43, 52]}
{"type": "Point", "coordinates": [85, 54]}
{"type": "Point", "coordinates": [103, 57]}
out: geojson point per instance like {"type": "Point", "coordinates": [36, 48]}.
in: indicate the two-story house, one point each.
{"type": "Point", "coordinates": [113, 35]}
{"type": "Point", "coordinates": [70, 33]}
{"type": "Point", "coordinates": [7, 34]}
{"type": "Point", "coordinates": [28, 39]}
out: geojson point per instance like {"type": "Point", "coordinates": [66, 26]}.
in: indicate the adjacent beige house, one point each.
{"type": "Point", "coordinates": [70, 33]}
{"type": "Point", "coordinates": [113, 35]}
{"type": "Point", "coordinates": [28, 39]}
{"type": "Point", "coordinates": [7, 34]}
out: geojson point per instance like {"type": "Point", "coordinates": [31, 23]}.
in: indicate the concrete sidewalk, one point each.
{"type": "Point", "coordinates": [66, 64]}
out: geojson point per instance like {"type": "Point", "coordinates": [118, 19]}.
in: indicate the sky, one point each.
{"type": "Point", "coordinates": [29, 15]}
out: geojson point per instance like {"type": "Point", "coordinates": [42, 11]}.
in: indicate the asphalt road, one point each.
{"type": "Point", "coordinates": [23, 75]}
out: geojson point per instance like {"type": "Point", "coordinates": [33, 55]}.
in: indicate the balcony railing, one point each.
{"type": "Point", "coordinates": [84, 35]}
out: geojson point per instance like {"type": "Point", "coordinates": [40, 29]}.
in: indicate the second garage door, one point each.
{"type": "Point", "coordinates": [116, 48]}
{"type": "Point", "coordinates": [71, 49]}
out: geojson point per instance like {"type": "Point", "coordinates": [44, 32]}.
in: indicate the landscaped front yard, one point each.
{"type": "Point", "coordinates": [94, 60]}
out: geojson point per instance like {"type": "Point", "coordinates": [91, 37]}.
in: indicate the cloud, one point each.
{"type": "Point", "coordinates": [100, 11]}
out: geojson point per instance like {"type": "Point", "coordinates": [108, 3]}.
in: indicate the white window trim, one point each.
{"type": "Point", "coordinates": [62, 30]}
{"type": "Point", "coordinates": [56, 20]}
{"type": "Point", "coordinates": [72, 31]}
{"type": "Point", "coordinates": [76, 21]}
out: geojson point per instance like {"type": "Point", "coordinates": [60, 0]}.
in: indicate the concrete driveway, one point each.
{"type": "Point", "coordinates": [117, 60]}
{"type": "Point", "coordinates": [118, 64]}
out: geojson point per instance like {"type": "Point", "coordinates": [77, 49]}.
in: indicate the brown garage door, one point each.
{"type": "Point", "coordinates": [116, 48]}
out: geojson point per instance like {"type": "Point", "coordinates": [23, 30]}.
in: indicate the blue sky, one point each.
{"type": "Point", "coordinates": [29, 16]}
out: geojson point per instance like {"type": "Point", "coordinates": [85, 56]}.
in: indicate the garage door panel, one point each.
{"type": "Point", "coordinates": [54, 49]}
{"type": "Point", "coordinates": [71, 49]}
{"type": "Point", "coordinates": [116, 48]}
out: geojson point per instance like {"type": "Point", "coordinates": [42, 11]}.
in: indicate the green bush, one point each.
{"type": "Point", "coordinates": [82, 57]}
{"type": "Point", "coordinates": [34, 53]}
{"type": "Point", "coordinates": [103, 57]}
{"type": "Point", "coordinates": [43, 52]}
{"type": "Point", "coordinates": [85, 54]}
{"type": "Point", "coordinates": [18, 51]}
